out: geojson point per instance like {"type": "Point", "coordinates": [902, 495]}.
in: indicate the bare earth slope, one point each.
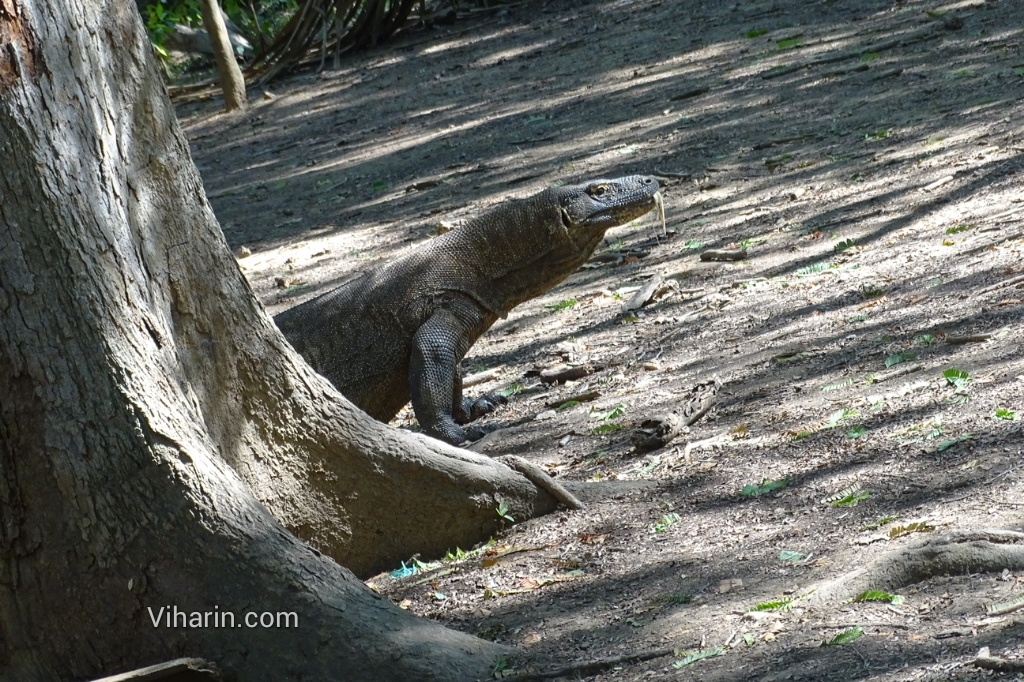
{"type": "Point", "coordinates": [869, 159]}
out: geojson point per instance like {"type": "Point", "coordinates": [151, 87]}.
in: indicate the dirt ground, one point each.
{"type": "Point", "coordinates": [867, 155]}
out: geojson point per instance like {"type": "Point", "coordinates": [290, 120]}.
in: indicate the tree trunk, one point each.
{"type": "Point", "coordinates": [228, 72]}
{"type": "Point", "coordinates": [151, 414]}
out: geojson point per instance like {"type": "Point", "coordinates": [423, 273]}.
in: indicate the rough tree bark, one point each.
{"type": "Point", "coordinates": [151, 414]}
{"type": "Point", "coordinates": [228, 72]}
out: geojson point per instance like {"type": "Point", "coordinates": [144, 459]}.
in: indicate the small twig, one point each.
{"type": "Point", "coordinates": [433, 575]}
{"type": "Point", "coordinates": [563, 373]}
{"type": "Point", "coordinates": [844, 219]}
{"type": "Point", "coordinates": [985, 484]}
{"type": "Point", "coordinates": [1002, 285]}
{"type": "Point", "coordinates": [886, 376]}
{"type": "Point", "coordinates": [898, 626]}
{"type": "Point", "coordinates": [938, 183]}
{"type": "Point", "coordinates": [862, 659]}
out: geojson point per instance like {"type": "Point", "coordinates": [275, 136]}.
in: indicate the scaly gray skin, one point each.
{"type": "Point", "coordinates": [400, 331]}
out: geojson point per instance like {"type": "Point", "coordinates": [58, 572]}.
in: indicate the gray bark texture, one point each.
{"type": "Point", "coordinates": [228, 72]}
{"type": "Point", "coordinates": [160, 443]}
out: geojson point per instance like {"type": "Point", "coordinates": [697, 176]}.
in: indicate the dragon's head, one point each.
{"type": "Point", "coordinates": [604, 204]}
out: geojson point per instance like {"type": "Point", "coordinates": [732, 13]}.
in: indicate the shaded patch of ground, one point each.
{"type": "Point", "coordinates": [868, 158]}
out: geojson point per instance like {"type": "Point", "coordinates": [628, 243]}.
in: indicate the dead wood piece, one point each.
{"type": "Point", "coordinates": [986, 660]}
{"type": "Point", "coordinates": [481, 377]}
{"type": "Point", "coordinates": [723, 255]}
{"type": "Point", "coordinates": [930, 187]}
{"type": "Point", "coordinates": [542, 480]}
{"type": "Point", "coordinates": [969, 338]}
{"type": "Point", "coordinates": [422, 185]}
{"type": "Point", "coordinates": [178, 670]}
{"type": "Point", "coordinates": [955, 553]}
{"type": "Point", "coordinates": [891, 73]}
{"type": "Point", "coordinates": [587, 668]}
{"type": "Point", "coordinates": [563, 373]}
{"type": "Point", "coordinates": [898, 372]}
{"type": "Point", "coordinates": [584, 397]}
{"type": "Point", "coordinates": [689, 94]}
{"type": "Point", "coordinates": [656, 432]}
{"type": "Point", "coordinates": [701, 398]}
{"type": "Point", "coordinates": [768, 144]}
{"type": "Point", "coordinates": [646, 293]}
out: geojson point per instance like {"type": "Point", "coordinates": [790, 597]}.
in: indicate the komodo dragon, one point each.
{"type": "Point", "coordinates": [402, 329]}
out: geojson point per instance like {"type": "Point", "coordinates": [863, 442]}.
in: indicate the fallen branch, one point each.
{"type": "Point", "coordinates": [563, 373]}
{"type": "Point", "coordinates": [723, 254]}
{"type": "Point", "coordinates": [584, 397]}
{"type": "Point", "coordinates": [481, 377]}
{"type": "Point", "coordinates": [185, 668]}
{"type": "Point", "coordinates": [969, 338]}
{"type": "Point", "coordinates": [902, 371]}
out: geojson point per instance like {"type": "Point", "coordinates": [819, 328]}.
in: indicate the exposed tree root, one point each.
{"type": "Point", "coordinates": [989, 662]}
{"type": "Point", "coordinates": [959, 552]}
{"type": "Point", "coordinates": [542, 480]}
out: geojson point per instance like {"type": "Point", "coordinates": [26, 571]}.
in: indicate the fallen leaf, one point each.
{"type": "Point", "coordinates": [530, 639]}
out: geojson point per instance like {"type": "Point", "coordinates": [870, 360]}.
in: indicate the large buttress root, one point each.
{"type": "Point", "coordinates": [955, 553]}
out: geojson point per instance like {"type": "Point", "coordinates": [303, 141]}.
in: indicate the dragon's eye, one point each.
{"type": "Point", "coordinates": [597, 191]}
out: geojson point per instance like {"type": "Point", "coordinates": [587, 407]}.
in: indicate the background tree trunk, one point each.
{"type": "Point", "coordinates": [136, 366]}
{"type": "Point", "coordinates": [228, 72]}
